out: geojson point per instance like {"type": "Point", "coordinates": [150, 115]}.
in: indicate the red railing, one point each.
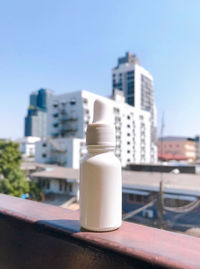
{"type": "Point", "coordinates": [36, 235]}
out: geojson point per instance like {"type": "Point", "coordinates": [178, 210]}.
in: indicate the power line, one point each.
{"type": "Point", "coordinates": [183, 209]}
{"type": "Point", "coordinates": [135, 212]}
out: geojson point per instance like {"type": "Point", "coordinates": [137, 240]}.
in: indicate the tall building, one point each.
{"type": "Point", "coordinates": [134, 116]}
{"type": "Point", "coordinates": [137, 85]}
{"type": "Point", "coordinates": [36, 119]}
{"type": "Point", "coordinates": [69, 115]}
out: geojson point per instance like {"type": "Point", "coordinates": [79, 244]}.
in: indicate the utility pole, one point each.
{"type": "Point", "coordinates": [160, 205]}
{"type": "Point", "coordinates": [161, 135]}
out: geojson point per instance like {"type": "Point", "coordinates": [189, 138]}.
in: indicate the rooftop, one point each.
{"type": "Point", "coordinates": [128, 58]}
{"type": "Point", "coordinates": [58, 173]}
{"type": "Point", "coordinates": [183, 183]}
{"type": "Point", "coordinates": [175, 138]}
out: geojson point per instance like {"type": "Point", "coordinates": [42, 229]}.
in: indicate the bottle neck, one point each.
{"type": "Point", "coordinates": [97, 149]}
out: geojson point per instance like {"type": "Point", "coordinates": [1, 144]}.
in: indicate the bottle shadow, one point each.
{"type": "Point", "coordinates": [64, 225]}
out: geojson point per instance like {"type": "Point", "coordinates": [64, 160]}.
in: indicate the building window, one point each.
{"type": "Point", "coordinates": [128, 143]}
{"type": "Point", "coordinates": [69, 187]}
{"type": "Point", "coordinates": [44, 144]}
{"type": "Point", "coordinates": [72, 102]}
{"type": "Point", "coordinates": [55, 105]}
{"type": "Point", "coordinates": [128, 134]}
{"type": "Point", "coordinates": [130, 100]}
{"type": "Point", "coordinates": [146, 93]}
{"type": "Point", "coordinates": [85, 101]}
{"type": "Point", "coordinates": [44, 155]}
{"type": "Point", "coordinates": [116, 110]}
{"type": "Point", "coordinates": [137, 198]}
{"type": "Point", "coordinates": [128, 126]}
{"type": "Point", "coordinates": [55, 115]}
{"type": "Point", "coordinates": [55, 135]}
{"type": "Point", "coordinates": [128, 151]}
{"type": "Point", "coordinates": [131, 197]}
{"type": "Point", "coordinates": [48, 184]}
{"type": "Point", "coordinates": [60, 186]}
{"type": "Point", "coordinates": [65, 186]}
{"type": "Point", "coordinates": [40, 183]}
{"type": "Point", "coordinates": [128, 117]}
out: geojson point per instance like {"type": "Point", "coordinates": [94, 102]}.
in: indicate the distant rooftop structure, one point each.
{"type": "Point", "coordinates": [128, 58]}
{"type": "Point", "coordinates": [178, 183]}
{"type": "Point", "coordinates": [36, 119]}
{"type": "Point", "coordinates": [57, 172]}
{"type": "Point", "coordinates": [175, 138]}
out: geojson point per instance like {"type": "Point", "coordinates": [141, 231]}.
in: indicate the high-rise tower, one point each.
{"type": "Point", "coordinates": [36, 119]}
{"type": "Point", "coordinates": [137, 85]}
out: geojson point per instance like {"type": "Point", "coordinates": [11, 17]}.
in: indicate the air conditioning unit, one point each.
{"type": "Point", "coordinates": [148, 213]}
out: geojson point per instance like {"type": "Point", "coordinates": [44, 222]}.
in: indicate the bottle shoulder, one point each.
{"type": "Point", "coordinates": [107, 158]}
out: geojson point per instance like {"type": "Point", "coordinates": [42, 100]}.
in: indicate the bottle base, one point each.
{"type": "Point", "coordinates": [95, 229]}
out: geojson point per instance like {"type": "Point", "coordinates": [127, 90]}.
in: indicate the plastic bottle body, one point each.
{"type": "Point", "coordinates": [100, 191]}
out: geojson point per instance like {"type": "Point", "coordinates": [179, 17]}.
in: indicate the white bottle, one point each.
{"type": "Point", "coordinates": [100, 175]}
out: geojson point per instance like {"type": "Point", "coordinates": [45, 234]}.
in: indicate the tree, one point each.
{"type": "Point", "coordinates": [12, 178]}
{"type": "Point", "coordinates": [35, 191]}
{"type": "Point", "coordinates": [10, 158]}
{"type": "Point", "coordinates": [15, 184]}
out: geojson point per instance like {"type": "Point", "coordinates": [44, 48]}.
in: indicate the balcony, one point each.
{"type": "Point", "coordinates": [36, 235]}
{"type": "Point", "coordinates": [69, 130]}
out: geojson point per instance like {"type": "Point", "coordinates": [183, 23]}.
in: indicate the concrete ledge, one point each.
{"type": "Point", "coordinates": [36, 235]}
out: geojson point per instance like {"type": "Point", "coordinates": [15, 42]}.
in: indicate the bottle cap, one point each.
{"type": "Point", "coordinates": [101, 131]}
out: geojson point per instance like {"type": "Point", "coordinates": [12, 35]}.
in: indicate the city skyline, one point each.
{"type": "Point", "coordinates": [66, 49]}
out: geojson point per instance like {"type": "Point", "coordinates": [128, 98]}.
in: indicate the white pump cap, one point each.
{"type": "Point", "coordinates": [101, 130]}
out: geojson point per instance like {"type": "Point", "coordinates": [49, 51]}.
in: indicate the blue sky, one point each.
{"type": "Point", "coordinates": [72, 45]}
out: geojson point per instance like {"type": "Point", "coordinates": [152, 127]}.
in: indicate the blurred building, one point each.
{"type": "Point", "coordinates": [27, 147]}
{"type": "Point", "coordinates": [134, 116]}
{"type": "Point", "coordinates": [58, 180]}
{"type": "Point", "coordinates": [197, 148]}
{"type": "Point", "coordinates": [36, 119]}
{"type": "Point", "coordinates": [69, 115]}
{"type": "Point", "coordinates": [137, 85]}
{"type": "Point", "coordinates": [177, 148]}
{"type": "Point", "coordinates": [61, 151]}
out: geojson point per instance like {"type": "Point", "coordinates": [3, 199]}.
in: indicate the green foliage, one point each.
{"type": "Point", "coordinates": [12, 179]}
{"type": "Point", "coordinates": [15, 184]}
{"type": "Point", "coordinates": [10, 158]}
{"type": "Point", "coordinates": [35, 191]}
{"type": "Point", "coordinates": [31, 107]}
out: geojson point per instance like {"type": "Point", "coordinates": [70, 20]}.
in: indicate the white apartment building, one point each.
{"type": "Point", "coordinates": [27, 146]}
{"type": "Point", "coordinates": [69, 115]}
{"type": "Point", "coordinates": [61, 151]}
{"type": "Point", "coordinates": [134, 115]}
